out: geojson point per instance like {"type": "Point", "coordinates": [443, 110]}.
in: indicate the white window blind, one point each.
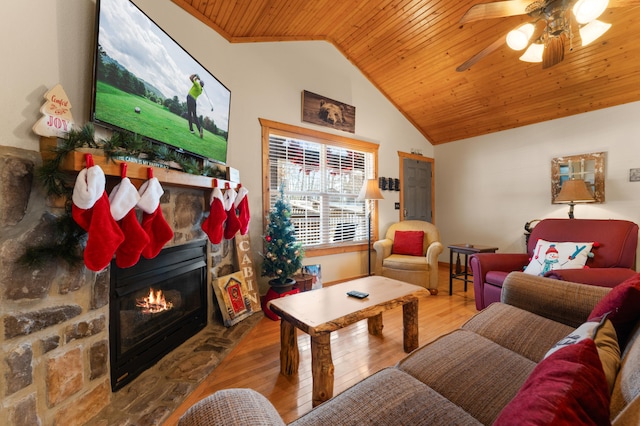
{"type": "Point", "coordinates": [321, 181]}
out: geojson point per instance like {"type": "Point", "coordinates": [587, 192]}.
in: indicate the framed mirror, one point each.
{"type": "Point", "coordinates": [588, 167]}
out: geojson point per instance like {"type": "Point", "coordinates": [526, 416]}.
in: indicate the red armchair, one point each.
{"type": "Point", "coordinates": [614, 257]}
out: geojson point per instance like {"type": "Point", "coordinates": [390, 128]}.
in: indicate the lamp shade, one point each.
{"type": "Point", "coordinates": [518, 39]}
{"type": "Point", "coordinates": [370, 190]}
{"type": "Point", "coordinates": [587, 10]}
{"type": "Point", "coordinates": [592, 31]}
{"type": "Point", "coordinates": [574, 191]}
{"type": "Point", "coordinates": [533, 53]}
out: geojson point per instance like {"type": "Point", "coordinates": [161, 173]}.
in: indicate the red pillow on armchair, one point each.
{"type": "Point", "coordinates": [408, 242]}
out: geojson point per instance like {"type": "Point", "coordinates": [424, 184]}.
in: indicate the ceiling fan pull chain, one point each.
{"type": "Point", "coordinates": [570, 25]}
{"type": "Point", "coordinates": [570, 35]}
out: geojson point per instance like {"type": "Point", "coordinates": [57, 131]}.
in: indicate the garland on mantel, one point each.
{"type": "Point", "coordinates": [69, 237]}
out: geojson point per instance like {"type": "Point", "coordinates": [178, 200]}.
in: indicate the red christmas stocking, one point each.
{"type": "Point", "coordinates": [233, 224]}
{"type": "Point", "coordinates": [242, 205]}
{"type": "Point", "coordinates": [91, 211]}
{"type": "Point", "coordinates": [124, 198]}
{"type": "Point", "coordinates": [153, 222]}
{"type": "Point", "coordinates": [213, 224]}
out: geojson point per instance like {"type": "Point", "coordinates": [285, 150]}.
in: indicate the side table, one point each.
{"type": "Point", "coordinates": [465, 249]}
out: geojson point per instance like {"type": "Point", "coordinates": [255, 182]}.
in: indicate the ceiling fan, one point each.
{"type": "Point", "coordinates": [546, 43]}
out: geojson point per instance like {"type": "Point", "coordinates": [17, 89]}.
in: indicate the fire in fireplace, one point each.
{"type": "Point", "coordinates": [155, 306]}
{"type": "Point", "coordinates": [154, 303]}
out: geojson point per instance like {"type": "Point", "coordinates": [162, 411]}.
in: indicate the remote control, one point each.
{"type": "Point", "coordinates": [357, 294]}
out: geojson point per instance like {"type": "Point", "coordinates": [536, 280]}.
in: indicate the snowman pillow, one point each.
{"type": "Point", "coordinates": [549, 256]}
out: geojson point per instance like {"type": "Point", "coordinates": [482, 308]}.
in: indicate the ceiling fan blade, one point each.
{"type": "Point", "coordinates": [496, 9]}
{"type": "Point", "coordinates": [484, 52]}
{"type": "Point", "coordinates": [553, 52]}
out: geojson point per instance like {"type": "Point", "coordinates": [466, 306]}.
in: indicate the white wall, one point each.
{"type": "Point", "coordinates": [488, 187]}
{"type": "Point", "coordinates": [48, 42]}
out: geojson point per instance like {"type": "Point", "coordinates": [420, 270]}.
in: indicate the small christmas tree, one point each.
{"type": "Point", "coordinates": [283, 254]}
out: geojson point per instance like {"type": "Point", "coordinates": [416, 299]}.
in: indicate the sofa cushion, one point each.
{"type": "Point", "coordinates": [622, 306]}
{"type": "Point", "coordinates": [627, 386]}
{"type": "Point", "coordinates": [469, 370]}
{"type": "Point", "coordinates": [549, 256]}
{"type": "Point", "coordinates": [629, 415]}
{"type": "Point", "coordinates": [602, 277]}
{"type": "Point", "coordinates": [401, 261]}
{"type": "Point", "coordinates": [523, 332]}
{"type": "Point", "coordinates": [567, 388]}
{"type": "Point", "coordinates": [408, 242]}
{"type": "Point", "coordinates": [496, 277]}
{"type": "Point", "coordinates": [601, 331]}
{"type": "Point", "coordinates": [566, 302]}
{"type": "Point", "coordinates": [389, 397]}
{"type": "Point", "coordinates": [232, 407]}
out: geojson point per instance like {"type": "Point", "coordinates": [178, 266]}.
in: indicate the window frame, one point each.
{"type": "Point", "coordinates": [286, 130]}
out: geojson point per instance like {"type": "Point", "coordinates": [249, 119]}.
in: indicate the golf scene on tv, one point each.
{"type": "Point", "coordinates": [147, 84]}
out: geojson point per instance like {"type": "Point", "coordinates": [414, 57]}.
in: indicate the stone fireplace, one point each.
{"type": "Point", "coordinates": [55, 361]}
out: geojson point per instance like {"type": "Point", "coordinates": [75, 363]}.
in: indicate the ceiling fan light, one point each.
{"type": "Point", "coordinates": [519, 38]}
{"type": "Point", "coordinates": [533, 53]}
{"type": "Point", "coordinates": [586, 11]}
{"type": "Point", "coordinates": [592, 31]}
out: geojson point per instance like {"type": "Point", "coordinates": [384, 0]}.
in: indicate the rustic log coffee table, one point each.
{"type": "Point", "coordinates": [319, 312]}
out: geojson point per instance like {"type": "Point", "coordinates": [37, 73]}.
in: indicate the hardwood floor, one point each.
{"type": "Point", "coordinates": [255, 362]}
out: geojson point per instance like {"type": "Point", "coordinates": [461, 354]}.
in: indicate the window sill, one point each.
{"type": "Point", "coordinates": [326, 250]}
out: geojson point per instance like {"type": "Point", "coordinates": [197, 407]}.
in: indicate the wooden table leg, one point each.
{"type": "Point", "coordinates": [289, 354]}
{"type": "Point", "coordinates": [450, 272]}
{"type": "Point", "coordinates": [321, 368]}
{"type": "Point", "coordinates": [375, 325]}
{"type": "Point", "coordinates": [410, 325]}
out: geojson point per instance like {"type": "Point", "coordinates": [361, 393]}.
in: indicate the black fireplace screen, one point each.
{"type": "Point", "coordinates": [155, 306]}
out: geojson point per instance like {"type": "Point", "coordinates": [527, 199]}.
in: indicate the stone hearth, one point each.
{"type": "Point", "coordinates": [54, 366]}
{"type": "Point", "coordinates": [159, 391]}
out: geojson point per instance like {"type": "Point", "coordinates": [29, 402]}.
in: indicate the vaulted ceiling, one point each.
{"type": "Point", "coordinates": [410, 49]}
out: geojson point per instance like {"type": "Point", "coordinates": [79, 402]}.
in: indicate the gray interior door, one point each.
{"type": "Point", "coordinates": [416, 189]}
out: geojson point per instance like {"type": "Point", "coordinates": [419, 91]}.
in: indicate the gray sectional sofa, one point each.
{"type": "Point", "coordinates": [469, 376]}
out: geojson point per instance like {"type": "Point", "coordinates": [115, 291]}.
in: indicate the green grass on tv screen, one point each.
{"type": "Point", "coordinates": [154, 121]}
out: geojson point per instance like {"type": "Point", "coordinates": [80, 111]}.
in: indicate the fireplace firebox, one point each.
{"type": "Point", "coordinates": [155, 306]}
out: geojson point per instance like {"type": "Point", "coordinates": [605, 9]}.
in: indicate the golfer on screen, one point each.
{"type": "Point", "coordinates": [194, 92]}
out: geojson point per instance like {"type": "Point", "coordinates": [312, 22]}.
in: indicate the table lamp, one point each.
{"type": "Point", "coordinates": [572, 192]}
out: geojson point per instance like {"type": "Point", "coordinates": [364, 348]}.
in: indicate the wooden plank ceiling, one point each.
{"type": "Point", "coordinates": [409, 49]}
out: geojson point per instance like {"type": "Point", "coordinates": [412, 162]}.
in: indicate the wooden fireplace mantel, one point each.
{"type": "Point", "coordinates": [75, 161]}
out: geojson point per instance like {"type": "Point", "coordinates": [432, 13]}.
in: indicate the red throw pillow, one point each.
{"type": "Point", "coordinates": [567, 388]}
{"type": "Point", "coordinates": [408, 242]}
{"type": "Point", "coordinates": [622, 305]}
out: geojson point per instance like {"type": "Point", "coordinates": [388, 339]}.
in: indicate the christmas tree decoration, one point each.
{"type": "Point", "coordinates": [91, 210]}
{"type": "Point", "coordinates": [284, 253]}
{"type": "Point", "coordinates": [213, 225]}
{"type": "Point", "coordinates": [56, 117]}
{"type": "Point", "coordinates": [153, 221]}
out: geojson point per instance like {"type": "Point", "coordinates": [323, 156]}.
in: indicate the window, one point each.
{"type": "Point", "coordinates": [321, 175]}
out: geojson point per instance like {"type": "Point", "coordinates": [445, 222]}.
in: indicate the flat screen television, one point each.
{"type": "Point", "coordinates": [143, 80]}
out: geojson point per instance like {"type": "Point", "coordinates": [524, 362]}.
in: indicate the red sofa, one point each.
{"type": "Point", "coordinates": [614, 257]}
